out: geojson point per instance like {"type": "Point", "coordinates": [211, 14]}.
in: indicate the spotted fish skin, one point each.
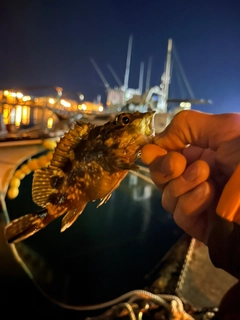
{"type": "Point", "coordinates": [89, 163]}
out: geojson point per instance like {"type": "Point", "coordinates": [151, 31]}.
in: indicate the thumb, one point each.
{"type": "Point", "coordinates": [200, 129]}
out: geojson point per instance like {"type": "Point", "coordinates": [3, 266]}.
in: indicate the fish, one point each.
{"type": "Point", "coordinates": [88, 164]}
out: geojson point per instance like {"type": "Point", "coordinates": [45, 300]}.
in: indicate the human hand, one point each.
{"type": "Point", "coordinates": [192, 178]}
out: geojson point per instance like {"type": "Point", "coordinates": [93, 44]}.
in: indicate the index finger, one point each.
{"type": "Point", "coordinates": [199, 129]}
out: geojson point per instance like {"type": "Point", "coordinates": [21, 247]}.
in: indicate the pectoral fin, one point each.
{"type": "Point", "coordinates": [104, 200]}
{"type": "Point", "coordinates": [108, 195]}
{"type": "Point", "coordinates": [71, 216]}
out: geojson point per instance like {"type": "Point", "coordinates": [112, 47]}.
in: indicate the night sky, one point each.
{"type": "Point", "coordinates": [51, 43]}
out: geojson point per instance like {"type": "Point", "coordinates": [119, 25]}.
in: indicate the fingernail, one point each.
{"type": "Point", "coordinates": [190, 174]}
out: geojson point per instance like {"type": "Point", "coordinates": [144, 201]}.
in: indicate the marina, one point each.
{"type": "Point", "coordinates": [130, 243]}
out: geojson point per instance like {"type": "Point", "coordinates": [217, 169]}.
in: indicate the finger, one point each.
{"type": "Point", "coordinates": [193, 176]}
{"type": "Point", "coordinates": [189, 213]}
{"type": "Point", "coordinates": [151, 152]}
{"type": "Point", "coordinates": [204, 130]}
{"type": "Point", "coordinates": [166, 168]}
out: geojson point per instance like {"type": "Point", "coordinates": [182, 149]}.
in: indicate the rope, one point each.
{"type": "Point", "coordinates": [174, 308]}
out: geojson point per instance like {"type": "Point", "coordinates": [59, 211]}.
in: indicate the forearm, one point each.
{"type": "Point", "coordinates": [224, 246]}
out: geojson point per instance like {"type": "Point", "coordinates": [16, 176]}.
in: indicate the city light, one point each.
{"type": "Point", "coordinates": [26, 98]}
{"type": "Point", "coordinates": [185, 105]}
{"type": "Point", "coordinates": [19, 95]}
{"type": "Point", "coordinates": [65, 103]}
{"type": "Point", "coordinates": [51, 100]}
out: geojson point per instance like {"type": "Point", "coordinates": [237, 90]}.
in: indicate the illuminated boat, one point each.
{"type": "Point", "coordinates": [122, 98]}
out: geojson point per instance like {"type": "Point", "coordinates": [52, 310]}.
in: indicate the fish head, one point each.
{"type": "Point", "coordinates": [136, 127]}
{"type": "Point", "coordinates": [129, 132]}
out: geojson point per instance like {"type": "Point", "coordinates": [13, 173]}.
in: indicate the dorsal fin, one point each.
{"type": "Point", "coordinates": [68, 143]}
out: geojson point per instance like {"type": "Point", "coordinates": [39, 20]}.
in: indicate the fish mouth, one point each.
{"type": "Point", "coordinates": [149, 124]}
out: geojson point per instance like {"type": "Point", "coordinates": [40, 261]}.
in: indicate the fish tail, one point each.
{"type": "Point", "coordinates": [23, 227]}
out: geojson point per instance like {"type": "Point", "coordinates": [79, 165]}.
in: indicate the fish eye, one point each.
{"type": "Point", "coordinates": [122, 119]}
{"type": "Point", "coordinates": [125, 120]}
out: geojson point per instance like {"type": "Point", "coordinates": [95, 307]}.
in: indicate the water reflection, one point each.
{"type": "Point", "coordinates": [142, 191]}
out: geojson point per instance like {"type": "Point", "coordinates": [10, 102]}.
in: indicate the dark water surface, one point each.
{"type": "Point", "coordinates": [106, 252]}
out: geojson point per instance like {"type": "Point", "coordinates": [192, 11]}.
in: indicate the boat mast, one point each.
{"type": "Point", "coordinates": [140, 86]}
{"type": "Point", "coordinates": [127, 70]}
{"type": "Point", "coordinates": [149, 69]}
{"type": "Point", "coordinates": [166, 80]}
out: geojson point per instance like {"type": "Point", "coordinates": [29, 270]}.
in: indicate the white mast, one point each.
{"type": "Point", "coordinates": [165, 80]}
{"type": "Point", "coordinates": [168, 70]}
{"type": "Point", "coordinates": [140, 86]}
{"type": "Point", "coordinates": [149, 69]}
{"type": "Point", "coordinates": [127, 70]}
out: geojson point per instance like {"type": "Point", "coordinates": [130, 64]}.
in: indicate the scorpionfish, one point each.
{"type": "Point", "coordinates": [88, 163]}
